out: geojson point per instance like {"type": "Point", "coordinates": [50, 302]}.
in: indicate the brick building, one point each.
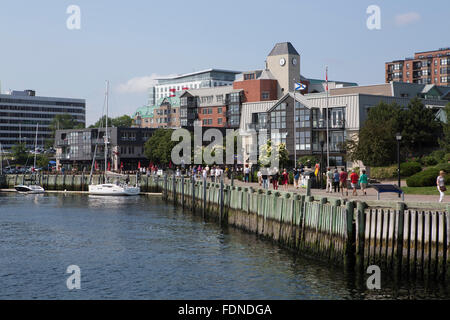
{"type": "Point", "coordinates": [429, 67]}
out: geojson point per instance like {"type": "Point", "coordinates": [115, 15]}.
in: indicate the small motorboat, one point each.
{"type": "Point", "coordinates": [29, 189]}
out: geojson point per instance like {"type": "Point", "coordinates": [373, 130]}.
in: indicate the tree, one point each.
{"type": "Point", "coordinates": [265, 155]}
{"type": "Point", "coordinates": [158, 148]}
{"type": "Point", "coordinates": [19, 153]}
{"type": "Point", "coordinates": [445, 141]}
{"type": "Point", "coordinates": [64, 121]}
{"type": "Point", "coordinates": [124, 121]}
{"type": "Point", "coordinates": [376, 145]}
{"type": "Point", "coordinates": [420, 128]}
{"type": "Point", "coordinates": [42, 161]}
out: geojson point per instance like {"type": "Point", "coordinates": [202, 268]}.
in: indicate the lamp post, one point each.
{"type": "Point", "coordinates": [321, 162]}
{"type": "Point", "coordinates": [398, 137]}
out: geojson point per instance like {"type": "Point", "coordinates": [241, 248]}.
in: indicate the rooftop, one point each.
{"type": "Point", "coordinates": [283, 48]}
{"type": "Point", "coordinates": [198, 72]}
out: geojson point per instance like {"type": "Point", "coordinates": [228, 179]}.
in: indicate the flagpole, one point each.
{"type": "Point", "coordinates": [295, 127]}
{"type": "Point", "coordinates": [328, 140]}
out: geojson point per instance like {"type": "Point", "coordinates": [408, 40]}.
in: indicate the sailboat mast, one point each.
{"type": "Point", "coordinates": [106, 128]}
{"type": "Point", "coordinates": [35, 145]}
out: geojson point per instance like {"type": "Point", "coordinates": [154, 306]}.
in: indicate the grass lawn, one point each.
{"type": "Point", "coordinates": [422, 190]}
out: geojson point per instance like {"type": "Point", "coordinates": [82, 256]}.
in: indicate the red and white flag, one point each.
{"type": "Point", "coordinates": [326, 77]}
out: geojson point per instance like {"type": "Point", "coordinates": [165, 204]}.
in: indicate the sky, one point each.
{"type": "Point", "coordinates": [130, 43]}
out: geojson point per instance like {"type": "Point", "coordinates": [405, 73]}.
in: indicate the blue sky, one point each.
{"type": "Point", "coordinates": [130, 42]}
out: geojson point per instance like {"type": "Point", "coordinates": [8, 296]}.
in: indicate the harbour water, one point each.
{"type": "Point", "coordinates": [143, 248]}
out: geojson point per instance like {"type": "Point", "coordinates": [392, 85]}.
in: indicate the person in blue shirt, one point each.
{"type": "Point", "coordinates": [336, 180]}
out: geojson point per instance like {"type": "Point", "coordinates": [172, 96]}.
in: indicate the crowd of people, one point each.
{"type": "Point", "coordinates": [337, 181]}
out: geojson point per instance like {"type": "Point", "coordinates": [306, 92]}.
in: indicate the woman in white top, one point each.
{"type": "Point", "coordinates": [440, 182]}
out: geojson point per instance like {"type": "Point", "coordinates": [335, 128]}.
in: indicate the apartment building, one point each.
{"type": "Point", "coordinates": [429, 67]}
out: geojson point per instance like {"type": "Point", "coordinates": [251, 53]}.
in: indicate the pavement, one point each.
{"type": "Point", "coordinates": [371, 193]}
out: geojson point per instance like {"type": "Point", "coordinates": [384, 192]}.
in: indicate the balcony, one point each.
{"type": "Point", "coordinates": [332, 125]}
{"type": "Point", "coordinates": [334, 148]}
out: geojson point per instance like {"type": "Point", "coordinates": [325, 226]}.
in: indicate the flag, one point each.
{"type": "Point", "coordinates": [299, 86]}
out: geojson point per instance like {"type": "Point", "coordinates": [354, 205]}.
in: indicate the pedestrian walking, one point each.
{"type": "Point", "coordinates": [440, 182]}
{"type": "Point", "coordinates": [265, 178]}
{"type": "Point", "coordinates": [363, 182]}
{"type": "Point", "coordinates": [329, 176]}
{"type": "Point", "coordinates": [275, 176]}
{"type": "Point", "coordinates": [336, 177]}
{"type": "Point", "coordinates": [259, 175]}
{"type": "Point", "coordinates": [343, 181]}
{"type": "Point", "coordinates": [296, 177]}
{"type": "Point", "coordinates": [285, 179]}
{"type": "Point", "coordinates": [246, 173]}
{"type": "Point", "coordinates": [213, 173]}
{"type": "Point", "coordinates": [354, 178]}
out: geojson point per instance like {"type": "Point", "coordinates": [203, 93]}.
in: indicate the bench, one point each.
{"type": "Point", "coordinates": [387, 188]}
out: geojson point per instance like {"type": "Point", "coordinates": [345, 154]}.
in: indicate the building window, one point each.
{"type": "Point", "coordinates": [303, 115]}
{"type": "Point", "coordinates": [219, 110]}
{"type": "Point", "coordinates": [278, 137]}
{"type": "Point", "coordinates": [278, 117]}
{"type": "Point", "coordinates": [265, 96]}
{"type": "Point", "coordinates": [219, 121]}
{"type": "Point", "coordinates": [249, 76]}
{"type": "Point", "coordinates": [444, 79]}
{"type": "Point", "coordinates": [303, 140]}
{"type": "Point", "coordinates": [219, 98]}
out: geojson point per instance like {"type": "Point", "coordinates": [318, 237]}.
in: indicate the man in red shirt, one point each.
{"type": "Point", "coordinates": [354, 177]}
{"type": "Point", "coordinates": [343, 181]}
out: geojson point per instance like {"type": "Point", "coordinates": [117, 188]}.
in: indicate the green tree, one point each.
{"type": "Point", "coordinates": [124, 121]}
{"type": "Point", "coordinates": [19, 153]}
{"type": "Point", "coordinates": [376, 144]}
{"type": "Point", "coordinates": [445, 140]}
{"type": "Point", "coordinates": [420, 129]}
{"type": "Point", "coordinates": [158, 147]}
{"type": "Point", "coordinates": [42, 161]}
{"type": "Point", "coordinates": [265, 154]}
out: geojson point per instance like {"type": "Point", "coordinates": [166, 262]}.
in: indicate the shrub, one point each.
{"type": "Point", "coordinates": [429, 161]}
{"type": "Point", "coordinates": [439, 156]}
{"type": "Point", "coordinates": [447, 157]}
{"type": "Point", "coordinates": [407, 169]}
{"type": "Point", "coordinates": [383, 172]}
{"type": "Point", "coordinates": [426, 178]}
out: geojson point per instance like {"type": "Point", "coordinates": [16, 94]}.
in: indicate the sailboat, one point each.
{"type": "Point", "coordinates": [31, 188]}
{"type": "Point", "coordinates": [110, 189]}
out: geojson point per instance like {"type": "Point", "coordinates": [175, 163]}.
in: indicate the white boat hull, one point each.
{"type": "Point", "coordinates": [29, 189]}
{"type": "Point", "coordinates": [109, 189]}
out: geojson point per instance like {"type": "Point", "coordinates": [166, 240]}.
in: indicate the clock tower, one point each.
{"type": "Point", "coordinates": [284, 63]}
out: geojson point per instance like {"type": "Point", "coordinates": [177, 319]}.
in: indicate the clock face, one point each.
{"type": "Point", "coordinates": [282, 62]}
{"type": "Point", "coordinates": [294, 61]}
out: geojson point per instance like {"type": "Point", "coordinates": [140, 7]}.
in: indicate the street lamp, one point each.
{"type": "Point", "coordinates": [398, 137]}
{"type": "Point", "coordinates": [321, 162]}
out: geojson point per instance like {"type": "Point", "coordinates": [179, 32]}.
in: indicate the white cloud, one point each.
{"type": "Point", "coordinates": [407, 18]}
{"type": "Point", "coordinates": [139, 84]}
